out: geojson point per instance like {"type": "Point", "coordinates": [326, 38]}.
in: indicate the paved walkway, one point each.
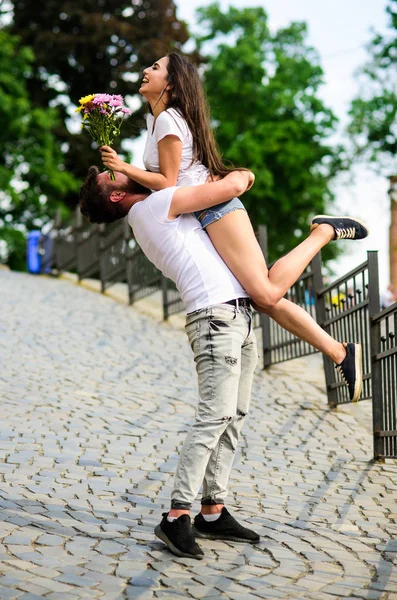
{"type": "Point", "coordinates": [95, 401]}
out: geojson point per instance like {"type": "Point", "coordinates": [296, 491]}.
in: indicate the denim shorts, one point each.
{"type": "Point", "coordinates": [210, 215]}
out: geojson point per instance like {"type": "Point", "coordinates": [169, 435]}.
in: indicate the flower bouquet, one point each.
{"type": "Point", "coordinates": [103, 115]}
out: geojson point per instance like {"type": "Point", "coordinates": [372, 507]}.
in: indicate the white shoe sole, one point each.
{"type": "Point", "coordinates": [359, 372]}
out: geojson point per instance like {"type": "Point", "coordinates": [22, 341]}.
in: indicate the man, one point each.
{"type": "Point", "coordinates": [219, 328]}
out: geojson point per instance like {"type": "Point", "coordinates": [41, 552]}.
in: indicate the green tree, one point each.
{"type": "Point", "coordinates": [83, 47]}
{"type": "Point", "coordinates": [31, 162]}
{"type": "Point", "coordinates": [263, 92]}
{"type": "Point", "coordinates": [373, 125]}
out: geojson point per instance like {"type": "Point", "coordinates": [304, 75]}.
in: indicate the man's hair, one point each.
{"type": "Point", "coordinates": [94, 199]}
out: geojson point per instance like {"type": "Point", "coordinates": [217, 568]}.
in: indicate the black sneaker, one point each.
{"type": "Point", "coordinates": [346, 228]}
{"type": "Point", "coordinates": [224, 528]}
{"type": "Point", "coordinates": [351, 370]}
{"type": "Point", "coordinates": [179, 536]}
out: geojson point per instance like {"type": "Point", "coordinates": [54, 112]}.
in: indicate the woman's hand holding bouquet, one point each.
{"type": "Point", "coordinates": [103, 115]}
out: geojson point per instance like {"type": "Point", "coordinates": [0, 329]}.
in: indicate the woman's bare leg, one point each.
{"type": "Point", "coordinates": [297, 321]}
{"type": "Point", "coordinates": [234, 239]}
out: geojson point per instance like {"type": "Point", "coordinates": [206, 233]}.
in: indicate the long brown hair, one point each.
{"type": "Point", "coordinates": [186, 94]}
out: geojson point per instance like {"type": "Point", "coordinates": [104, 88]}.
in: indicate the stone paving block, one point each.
{"type": "Point", "coordinates": [50, 540]}
{"type": "Point", "coordinates": [61, 596]}
{"type": "Point", "coordinates": [50, 584]}
{"type": "Point", "coordinates": [168, 594]}
{"type": "Point", "coordinates": [138, 593]}
{"type": "Point", "coordinates": [76, 580]}
{"type": "Point", "coordinates": [240, 596]}
{"type": "Point", "coordinates": [9, 594]}
{"type": "Point", "coordinates": [101, 567]}
{"type": "Point", "coordinates": [339, 590]}
{"type": "Point", "coordinates": [30, 596]}
{"type": "Point", "coordinates": [32, 588]}
{"type": "Point", "coordinates": [109, 548]}
{"type": "Point", "coordinates": [268, 592]}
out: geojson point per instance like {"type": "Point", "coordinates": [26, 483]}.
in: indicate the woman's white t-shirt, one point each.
{"type": "Point", "coordinates": [171, 122]}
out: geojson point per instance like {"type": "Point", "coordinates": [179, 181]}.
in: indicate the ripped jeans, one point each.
{"type": "Point", "coordinates": [225, 353]}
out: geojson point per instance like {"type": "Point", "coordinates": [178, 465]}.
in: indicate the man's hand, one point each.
{"type": "Point", "coordinates": [244, 180]}
{"type": "Point", "coordinates": [247, 178]}
{"type": "Point", "coordinates": [111, 159]}
{"type": "Point", "coordinates": [251, 180]}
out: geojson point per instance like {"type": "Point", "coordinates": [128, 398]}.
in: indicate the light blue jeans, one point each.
{"type": "Point", "coordinates": [225, 353]}
{"type": "Point", "coordinates": [210, 215]}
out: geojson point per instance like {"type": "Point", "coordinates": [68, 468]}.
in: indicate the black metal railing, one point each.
{"type": "Point", "coordinates": [87, 247]}
{"type": "Point", "coordinates": [142, 276]}
{"type": "Point", "coordinates": [383, 341]}
{"type": "Point", "coordinates": [66, 249]}
{"type": "Point", "coordinates": [343, 311]}
{"type": "Point", "coordinates": [279, 344]}
{"type": "Point", "coordinates": [113, 250]}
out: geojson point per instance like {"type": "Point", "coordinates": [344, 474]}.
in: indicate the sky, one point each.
{"type": "Point", "coordinates": [338, 30]}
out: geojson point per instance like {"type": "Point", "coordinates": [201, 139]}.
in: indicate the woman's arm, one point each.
{"type": "Point", "coordinates": [190, 199]}
{"type": "Point", "coordinates": [170, 152]}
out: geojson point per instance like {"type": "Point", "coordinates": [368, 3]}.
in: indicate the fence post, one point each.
{"type": "Point", "coordinates": [264, 318]}
{"type": "Point", "coordinates": [57, 227]}
{"type": "Point", "coordinates": [78, 226]}
{"type": "Point", "coordinates": [164, 288]}
{"type": "Point", "coordinates": [375, 346]}
{"type": "Point", "coordinates": [321, 317]}
{"type": "Point", "coordinates": [58, 219]}
{"type": "Point", "coordinates": [102, 274]}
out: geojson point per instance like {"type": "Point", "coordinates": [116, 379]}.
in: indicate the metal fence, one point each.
{"type": "Point", "coordinates": [343, 311]}
{"type": "Point", "coordinates": [279, 344]}
{"type": "Point", "coordinates": [383, 343]}
{"type": "Point", "coordinates": [348, 309]}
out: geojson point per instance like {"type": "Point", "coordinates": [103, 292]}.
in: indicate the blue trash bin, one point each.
{"type": "Point", "coordinates": [46, 250]}
{"type": "Point", "coordinates": [33, 255]}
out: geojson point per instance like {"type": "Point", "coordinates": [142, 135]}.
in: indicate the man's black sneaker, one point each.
{"type": "Point", "coordinates": [346, 228]}
{"type": "Point", "coordinates": [351, 370]}
{"type": "Point", "coordinates": [224, 528]}
{"type": "Point", "coordinates": [179, 536]}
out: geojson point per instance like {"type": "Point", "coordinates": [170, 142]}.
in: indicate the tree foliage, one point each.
{"type": "Point", "coordinates": [263, 92]}
{"type": "Point", "coordinates": [31, 168]}
{"type": "Point", "coordinates": [373, 124]}
{"type": "Point", "coordinates": [83, 47]}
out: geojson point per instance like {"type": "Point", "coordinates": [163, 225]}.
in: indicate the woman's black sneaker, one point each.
{"type": "Point", "coordinates": [224, 528]}
{"type": "Point", "coordinates": [351, 370]}
{"type": "Point", "coordinates": [179, 536]}
{"type": "Point", "coordinates": [346, 228]}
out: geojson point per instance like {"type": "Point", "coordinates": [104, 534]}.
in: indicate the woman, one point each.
{"type": "Point", "coordinates": [181, 150]}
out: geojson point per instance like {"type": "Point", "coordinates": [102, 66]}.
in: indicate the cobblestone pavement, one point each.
{"type": "Point", "coordinates": [95, 401]}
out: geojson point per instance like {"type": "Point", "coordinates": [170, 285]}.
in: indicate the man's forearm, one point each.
{"type": "Point", "coordinates": [200, 197]}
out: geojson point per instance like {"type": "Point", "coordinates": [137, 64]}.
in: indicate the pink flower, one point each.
{"type": "Point", "coordinates": [126, 111]}
{"type": "Point", "coordinates": [102, 98]}
{"type": "Point", "coordinates": [116, 100]}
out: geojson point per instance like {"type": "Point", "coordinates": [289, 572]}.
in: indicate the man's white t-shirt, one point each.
{"type": "Point", "coordinates": [171, 122]}
{"type": "Point", "coordinates": [183, 252]}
